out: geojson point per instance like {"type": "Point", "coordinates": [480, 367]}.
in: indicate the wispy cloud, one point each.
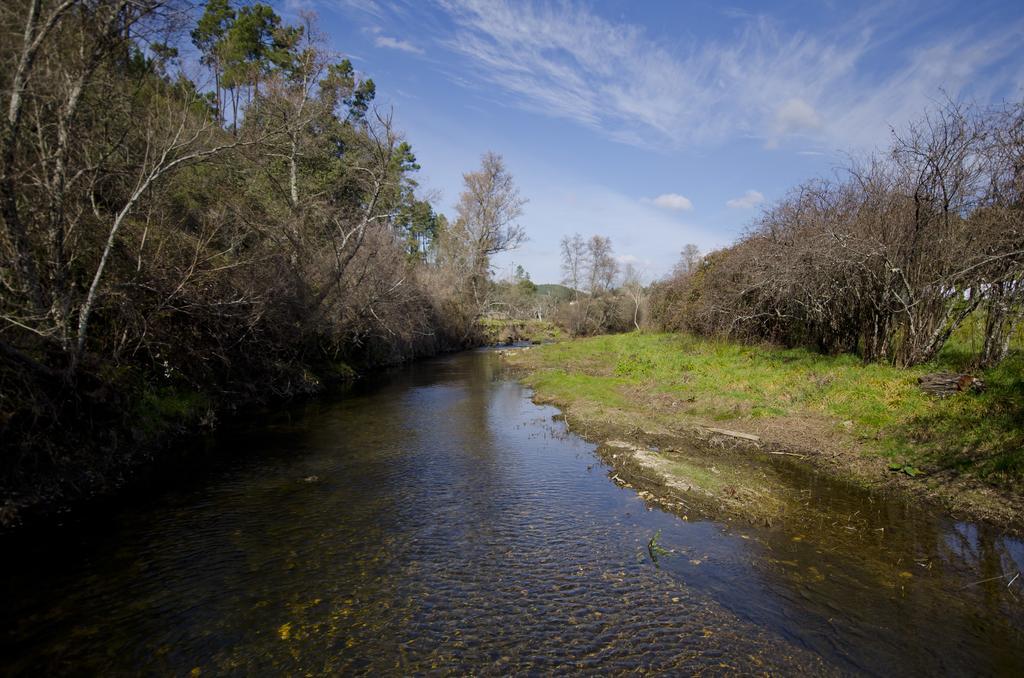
{"type": "Point", "coordinates": [671, 201]}
{"type": "Point", "coordinates": [565, 60]}
{"type": "Point", "coordinates": [388, 42]}
{"type": "Point", "coordinates": [748, 200]}
{"type": "Point", "coordinates": [371, 7]}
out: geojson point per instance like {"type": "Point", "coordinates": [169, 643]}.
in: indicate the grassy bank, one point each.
{"type": "Point", "coordinates": [868, 422]}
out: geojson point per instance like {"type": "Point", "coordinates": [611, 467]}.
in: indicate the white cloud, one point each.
{"type": "Point", "coordinates": [648, 237]}
{"type": "Point", "coordinates": [565, 60]}
{"type": "Point", "coordinates": [796, 116]}
{"type": "Point", "coordinates": [394, 43]}
{"type": "Point", "coordinates": [748, 200]}
{"type": "Point", "coordinates": [671, 201]}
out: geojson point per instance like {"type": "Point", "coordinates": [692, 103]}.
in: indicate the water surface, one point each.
{"type": "Point", "coordinates": [435, 520]}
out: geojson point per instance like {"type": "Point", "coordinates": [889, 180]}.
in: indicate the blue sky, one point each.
{"type": "Point", "coordinates": [662, 123]}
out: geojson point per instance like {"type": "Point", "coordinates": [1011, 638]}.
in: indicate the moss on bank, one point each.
{"type": "Point", "coordinates": [867, 422]}
{"type": "Point", "coordinates": [123, 420]}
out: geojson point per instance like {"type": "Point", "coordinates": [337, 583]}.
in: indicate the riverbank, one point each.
{"type": "Point", "coordinates": [118, 429]}
{"type": "Point", "coordinates": [652, 400]}
{"type": "Point", "coordinates": [118, 425]}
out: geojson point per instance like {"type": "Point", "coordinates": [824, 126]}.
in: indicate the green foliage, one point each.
{"type": "Point", "coordinates": [337, 371]}
{"type": "Point", "coordinates": [161, 409]}
{"type": "Point", "coordinates": [211, 29]}
{"type": "Point", "coordinates": [254, 44]}
{"type": "Point", "coordinates": [904, 468]}
{"type": "Point", "coordinates": [526, 287]}
{"type": "Point", "coordinates": [556, 292]}
{"type": "Point", "coordinates": [655, 549]}
{"type": "Point", "coordinates": [342, 88]}
{"type": "Point", "coordinates": [418, 223]}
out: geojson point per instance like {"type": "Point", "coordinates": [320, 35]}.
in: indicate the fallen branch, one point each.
{"type": "Point", "coordinates": [735, 434]}
{"type": "Point", "coordinates": [982, 581]}
{"type": "Point", "coordinates": [788, 454]}
{"type": "Point", "coordinates": [945, 384]}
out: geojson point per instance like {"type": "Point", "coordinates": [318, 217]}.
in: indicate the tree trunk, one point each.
{"type": "Point", "coordinates": [1000, 321]}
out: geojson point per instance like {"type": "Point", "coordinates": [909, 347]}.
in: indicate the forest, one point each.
{"type": "Point", "coordinates": [176, 247]}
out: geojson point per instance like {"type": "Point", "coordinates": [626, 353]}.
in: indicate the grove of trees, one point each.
{"type": "Point", "coordinates": [604, 298]}
{"type": "Point", "coordinates": [169, 242]}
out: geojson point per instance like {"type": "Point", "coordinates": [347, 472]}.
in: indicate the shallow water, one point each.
{"type": "Point", "coordinates": [435, 520]}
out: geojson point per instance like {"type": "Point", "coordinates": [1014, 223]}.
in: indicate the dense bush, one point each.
{"type": "Point", "coordinates": [887, 260]}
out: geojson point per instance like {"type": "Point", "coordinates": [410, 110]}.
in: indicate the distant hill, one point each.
{"type": "Point", "coordinates": [557, 292]}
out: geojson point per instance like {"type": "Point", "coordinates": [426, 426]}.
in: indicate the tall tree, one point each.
{"type": "Point", "coordinates": [209, 37]}
{"type": "Point", "coordinates": [633, 286]}
{"type": "Point", "coordinates": [601, 265]}
{"type": "Point", "coordinates": [255, 44]}
{"type": "Point", "coordinates": [574, 253]}
{"type": "Point", "coordinates": [487, 212]}
{"type": "Point", "coordinates": [689, 259]}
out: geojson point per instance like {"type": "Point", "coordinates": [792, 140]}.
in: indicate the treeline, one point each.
{"type": "Point", "coordinates": [885, 261]}
{"type": "Point", "coordinates": [597, 295]}
{"type": "Point", "coordinates": [171, 243]}
{"type": "Point", "coordinates": [605, 297]}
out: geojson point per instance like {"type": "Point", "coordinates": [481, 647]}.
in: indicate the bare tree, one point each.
{"type": "Point", "coordinates": [187, 143]}
{"type": "Point", "coordinates": [574, 253]}
{"type": "Point", "coordinates": [1001, 223]}
{"type": "Point", "coordinates": [886, 261]}
{"type": "Point", "coordinates": [689, 259]}
{"type": "Point", "coordinates": [487, 212]}
{"type": "Point", "coordinates": [39, 25]}
{"type": "Point", "coordinates": [601, 267]}
{"type": "Point", "coordinates": [61, 174]}
{"type": "Point", "coordinates": [145, 247]}
{"type": "Point", "coordinates": [633, 286]}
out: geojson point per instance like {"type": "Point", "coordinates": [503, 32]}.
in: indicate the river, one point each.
{"type": "Point", "coordinates": [433, 519]}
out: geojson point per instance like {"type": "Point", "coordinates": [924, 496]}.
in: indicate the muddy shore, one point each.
{"type": "Point", "coordinates": [698, 468]}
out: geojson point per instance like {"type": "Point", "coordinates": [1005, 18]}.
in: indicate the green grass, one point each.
{"type": "Point", "coordinates": [967, 341]}
{"type": "Point", "coordinates": [564, 386]}
{"type": "Point", "coordinates": [163, 408]}
{"type": "Point", "coordinates": [879, 408]}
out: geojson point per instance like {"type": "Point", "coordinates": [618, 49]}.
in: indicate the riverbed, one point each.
{"type": "Point", "coordinates": [434, 519]}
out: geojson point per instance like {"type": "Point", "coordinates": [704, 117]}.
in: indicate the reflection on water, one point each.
{"type": "Point", "coordinates": [436, 519]}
